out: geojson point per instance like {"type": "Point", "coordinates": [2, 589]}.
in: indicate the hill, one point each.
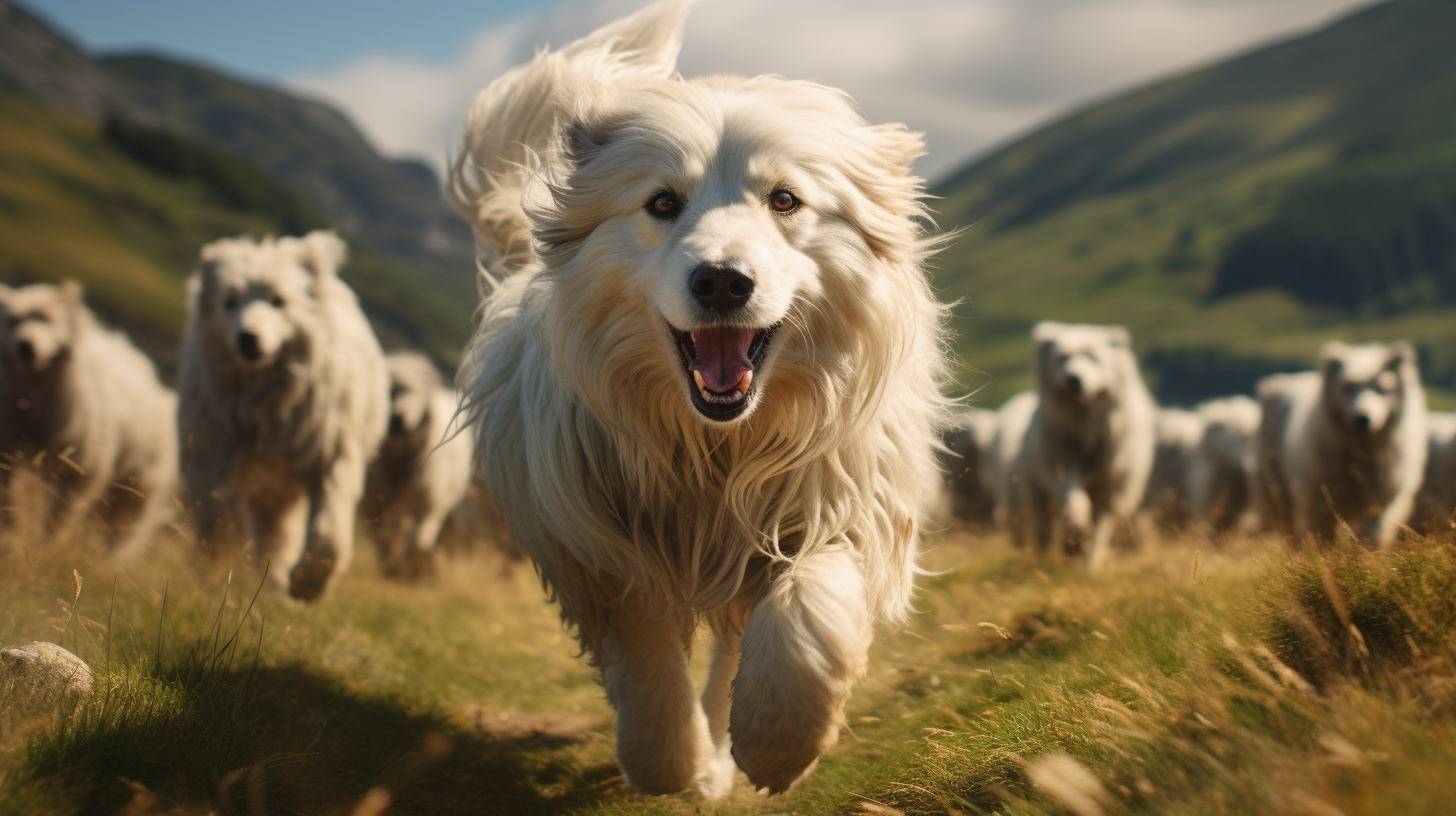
{"type": "Point", "coordinates": [117, 171]}
{"type": "Point", "coordinates": [1234, 216]}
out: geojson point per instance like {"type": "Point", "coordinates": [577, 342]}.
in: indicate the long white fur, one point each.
{"type": "Point", "coordinates": [1222, 474]}
{"type": "Point", "coordinates": [642, 517]}
{"type": "Point", "coordinates": [280, 447]}
{"type": "Point", "coordinates": [1179, 433]}
{"type": "Point", "coordinates": [94, 411]}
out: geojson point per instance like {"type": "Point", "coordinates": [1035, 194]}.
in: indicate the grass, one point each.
{"type": "Point", "coordinates": [1190, 679]}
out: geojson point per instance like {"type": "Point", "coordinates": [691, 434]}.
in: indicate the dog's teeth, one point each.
{"type": "Point", "coordinates": [698, 378]}
{"type": "Point", "coordinates": [745, 383]}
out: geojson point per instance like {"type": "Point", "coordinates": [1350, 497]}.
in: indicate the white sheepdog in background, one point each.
{"type": "Point", "coordinates": [81, 403]}
{"type": "Point", "coordinates": [706, 385]}
{"type": "Point", "coordinates": [1089, 449]}
{"type": "Point", "coordinates": [423, 470]}
{"type": "Point", "coordinates": [284, 400]}
{"type": "Point", "coordinates": [1348, 443]}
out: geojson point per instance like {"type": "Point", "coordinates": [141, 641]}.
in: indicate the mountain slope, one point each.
{"type": "Point", "coordinates": [1233, 216]}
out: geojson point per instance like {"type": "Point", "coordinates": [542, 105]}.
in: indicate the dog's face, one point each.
{"type": "Point", "coordinates": [716, 234]}
{"type": "Point", "coordinates": [1365, 386]}
{"type": "Point", "coordinates": [412, 381]}
{"type": "Point", "coordinates": [1079, 364]}
{"type": "Point", "coordinates": [41, 323]}
{"type": "Point", "coordinates": [259, 298]}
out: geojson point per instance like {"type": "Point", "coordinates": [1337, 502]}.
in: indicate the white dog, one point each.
{"type": "Point", "coordinates": [706, 386]}
{"type": "Point", "coordinates": [1089, 449]}
{"type": "Point", "coordinates": [1013, 419]}
{"type": "Point", "coordinates": [970, 494]}
{"type": "Point", "coordinates": [1351, 442]}
{"type": "Point", "coordinates": [1223, 470]}
{"type": "Point", "coordinates": [284, 400]}
{"type": "Point", "coordinates": [1178, 435]}
{"type": "Point", "coordinates": [81, 401]}
{"type": "Point", "coordinates": [423, 470]}
{"type": "Point", "coordinates": [1436, 503]}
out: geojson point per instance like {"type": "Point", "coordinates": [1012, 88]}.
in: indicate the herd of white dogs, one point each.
{"type": "Point", "coordinates": [1349, 447]}
{"type": "Point", "coordinates": [706, 390]}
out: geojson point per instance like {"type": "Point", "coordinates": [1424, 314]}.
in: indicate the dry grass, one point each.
{"type": "Point", "coordinates": [1191, 679]}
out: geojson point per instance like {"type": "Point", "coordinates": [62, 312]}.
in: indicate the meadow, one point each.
{"type": "Point", "coordinates": [1192, 677]}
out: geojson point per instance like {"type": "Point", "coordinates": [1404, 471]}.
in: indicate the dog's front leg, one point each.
{"type": "Point", "coordinates": [803, 649]}
{"type": "Point", "coordinates": [330, 544]}
{"type": "Point", "coordinates": [662, 734]}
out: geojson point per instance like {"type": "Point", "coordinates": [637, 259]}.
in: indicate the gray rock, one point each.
{"type": "Point", "coordinates": [44, 667]}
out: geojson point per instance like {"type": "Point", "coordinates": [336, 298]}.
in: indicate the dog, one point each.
{"type": "Point", "coordinates": [423, 470]}
{"type": "Point", "coordinates": [969, 495]}
{"type": "Point", "coordinates": [1348, 443]}
{"type": "Point", "coordinates": [1089, 449]}
{"type": "Point", "coordinates": [1178, 434]}
{"type": "Point", "coordinates": [1436, 503]}
{"type": "Point", "coordinates": [1222, 473]}
{"type": "Point", "coordinates": [284, 401]}
{"type": "Point", "coordinates": [1013, 419]}
{"type": "Point", "coordinates": [706, 385]}
{"type": "Point", "coordinates": [81, 402]}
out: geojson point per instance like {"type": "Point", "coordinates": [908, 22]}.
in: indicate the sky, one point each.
{"type": "Point", "coordinates": [971, 74]}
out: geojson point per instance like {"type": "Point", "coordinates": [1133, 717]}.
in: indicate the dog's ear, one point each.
{"type": "Point", "coordinates": [898, 146]}
{"type": "Point", "coordinates": [583, 136]}
{"type": "Point", "coordinates": [1332, 360]}
{"type": "Point", "coordinates": [322, 252]}
{"type": "Point", "coordinates": [73, 293]}
{"type": "Point", "coordinates": [5, 293]}
{"type": "Point", "coordinates": [1119, 337]}
{"type": "Point", "coordinates": [1402, 353]}
{"type": "Point", "coordinates": [1044, 337]}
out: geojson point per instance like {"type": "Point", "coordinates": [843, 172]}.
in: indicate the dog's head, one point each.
{"type": "Point", "coordinates": [710, 240]}
{"type": "Point", "coordinates": [1080, 364]}
{"type": "Point", "coordinates": [259, 299]}
{"type": "Point", "coordinates": [413, 380]}
{"type": "Point", "coordinates": [41, 324]}
{"type": "Point", "coordinates": [1364, 387]}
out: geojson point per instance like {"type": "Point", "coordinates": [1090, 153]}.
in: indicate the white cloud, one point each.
{"type": "Point", "coordinates": [970, 73]}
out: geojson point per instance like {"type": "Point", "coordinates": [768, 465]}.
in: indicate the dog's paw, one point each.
{"type": "Point", "coordinates": [777, 769]}
{"type": "Point", "coordinates": [310, 577]}
{"type": "Point", "coordinates": [715, 779]}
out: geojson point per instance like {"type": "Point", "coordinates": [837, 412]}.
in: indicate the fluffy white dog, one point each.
{"type": "Point", "coordinates": [1347, 443]}
{"type": "Point", "coordinates": [705, 386]}
{"type": "Point", "coordinates": [284, 400]}
{"type": "Point", "coordinates": [423, 469]}
{"type": "Point", "coordinates": [969, 493]}
{"type": "Point", "coordinates": [81, 402]}
{"type": "Point", "coordinates": [1223, 469]}
{"type": "Point", "coordinates": [1089, 449]}
{"type": "Point", "coordinates": [1178, 435]}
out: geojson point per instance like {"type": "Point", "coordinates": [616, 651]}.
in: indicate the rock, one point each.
{"type": "Point", "coordinates": [44, 667]}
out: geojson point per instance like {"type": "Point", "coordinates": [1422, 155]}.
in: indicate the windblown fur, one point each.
{"type": "Point", "coordinates": [284, 400]}
{"type": "Point", "coordinates": [1346, 444]}
{"type": "Point", "coordinates": [82, 403]}
{"type": "Point", "coordinates": [792, 523]}
{"type": "Point", "coordinates": [1089, 449]}
{"type": "Point", "coordinates": [423, 470]}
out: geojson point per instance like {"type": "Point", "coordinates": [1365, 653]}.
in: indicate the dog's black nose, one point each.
{"type": "Point", "coordinates": [720, 288]}
{"type": "Point", "coordinates": [248, 345]}
{"type": "Point", "coordinates": [396, 424]}
{"type": "Point", "coordinates": [1362, 422]}
{"type": "Point", "coordinates": [26, 350]}
{"type": "Point", "coordinates": [1074, 383]}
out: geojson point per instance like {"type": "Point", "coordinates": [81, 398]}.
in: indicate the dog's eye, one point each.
{"type": "Point", "coordinates": [276, 301]}
{"type": "Point", "coordinates": [664, 205]}
{"type": "Point", "coordinates": [783, 201]}
{"type": "Point", "coordinates": [230, 302]}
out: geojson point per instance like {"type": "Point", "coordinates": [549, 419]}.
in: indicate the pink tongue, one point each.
{"type": "Point", "coordinates": [722, 356]}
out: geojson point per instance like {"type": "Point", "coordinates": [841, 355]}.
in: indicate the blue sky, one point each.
{"type": "Point", "coordinates": [970, 74]}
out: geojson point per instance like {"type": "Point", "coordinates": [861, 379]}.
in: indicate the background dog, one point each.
{"type": "Point", "coordinates": [423, 470]}
{"type": "Point", "coordinates": [1089, 448]}
{"type": "Point", "coordinates": [81, 403]}
{"type": "Point", "coordinates": [969, 494]}
{"type": "Point", "coordinates": [706, 385]}
{"type": "Point", "coordinates": [1179, 434]}
{"type": "Point", "coordinates": [1348, 443]}
{"type": "Point", "coordinates": [1222, 473]}
{"type": "Point", "coordinates": [284, 400]}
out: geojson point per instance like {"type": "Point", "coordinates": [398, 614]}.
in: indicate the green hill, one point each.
{"type": "Point", "coordinates": [117, 172]}
{"type": "Point", "coordinates": [1234, 217]}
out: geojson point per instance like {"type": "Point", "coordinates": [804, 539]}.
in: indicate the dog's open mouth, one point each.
{"type": "Point", "coordinates": [721, 362]}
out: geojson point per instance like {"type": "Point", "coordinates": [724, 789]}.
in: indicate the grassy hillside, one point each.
{"type": "Point", "coordinates": [1191, 680]}
{"type": "Point", "coordinates": [125, 208]}
{"type": "Point", "coordinates": [1234, 217]}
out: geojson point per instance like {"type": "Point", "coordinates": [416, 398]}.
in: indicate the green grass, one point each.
{"type": "Point", "coordinates": [1190, 679]}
